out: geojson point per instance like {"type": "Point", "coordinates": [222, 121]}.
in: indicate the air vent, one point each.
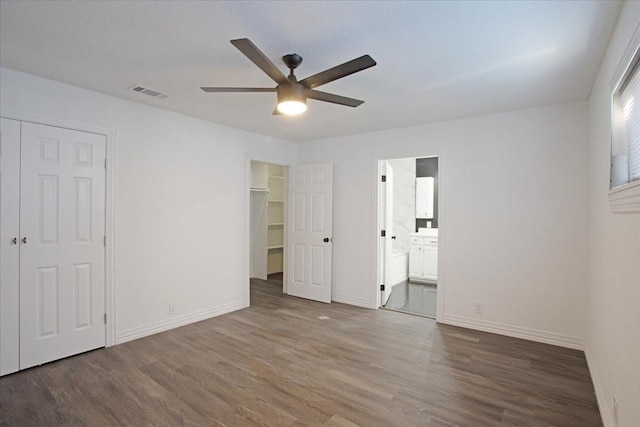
{"type": "Point", "coordinates": [151, 92]}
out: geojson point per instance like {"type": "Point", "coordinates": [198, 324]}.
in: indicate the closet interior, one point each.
{"type": "Point", "coordinates": [268, 194]}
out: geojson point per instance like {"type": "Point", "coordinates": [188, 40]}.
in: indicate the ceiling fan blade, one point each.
{"type": "Point", "coordinates": [238, 89]}
{"type": "Point", "coordinates": [339, 71]}
{"type": "Point", "coordinates": [257, 57]}
{"type": "Point", "coordinates": [334, 99]}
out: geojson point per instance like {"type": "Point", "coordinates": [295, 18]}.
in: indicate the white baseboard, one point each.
{"type": "Point", "coordinates": [515, 331]}
{"type": "Point", "coordinates": [360, 302]}
{"type": "Point", "coordinates": [174, 322]}
{"type": "Point", "coordinates": [605, 413]}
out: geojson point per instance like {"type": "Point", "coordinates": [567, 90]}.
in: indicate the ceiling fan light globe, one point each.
{"type": "Point", "coordinates": [292, 107]}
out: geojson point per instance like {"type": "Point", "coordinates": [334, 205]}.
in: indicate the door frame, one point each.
{"type": "Point", "coordinates": [418, 152]}
{"type": "Point", "coordinates": [110, 202]}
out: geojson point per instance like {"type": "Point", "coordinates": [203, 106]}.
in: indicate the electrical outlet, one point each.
{"type": "Point", "coordinates": [172, 309]}
{"type": "Point", "coordinates": [615, 409]}
{"type": "Point", "coordinates": [479, 307]}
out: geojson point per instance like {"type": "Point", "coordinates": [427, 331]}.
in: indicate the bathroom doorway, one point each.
{"type": "Point", "coordinates": [408, 223]}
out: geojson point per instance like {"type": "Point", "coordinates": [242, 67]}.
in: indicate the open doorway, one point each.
{"type": "Point", "coordinates": [309, 236]}
{"type": "Point", "coordinates": [409, 235]}
{"type": "Point", "coordinates": [290, 244]}
{"type": "Point", "coordinates": [268, 194]}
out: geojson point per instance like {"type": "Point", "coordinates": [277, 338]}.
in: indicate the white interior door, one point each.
{"type": "Point", "coordinates": [62, 224]}
{"type": "Point", "coordinates": [388, 241]}
{"type": "Point", "coordinates": [9, 248]}
{"type": "Point", "coordinates": [309, 226]}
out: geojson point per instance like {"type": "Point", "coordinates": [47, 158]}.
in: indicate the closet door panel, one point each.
{"type": "Point", "coordinates": [9, 248]}
{"type": "Point", "coordinates": [62, 300]}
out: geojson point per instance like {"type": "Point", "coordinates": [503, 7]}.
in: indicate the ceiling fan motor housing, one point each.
{"type": "Point", "coordinates": [292, 92]}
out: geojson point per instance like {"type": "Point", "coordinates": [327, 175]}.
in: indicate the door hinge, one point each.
{"type": "Point", "coordinates": [383, 233]}
{"type": "Point", "coordinates": [104, 241]}
{"type": "Point", "coordinates": [382, 287]}
{"type": "Point", "coordinates": [105, 318]}
{"type": "Point", "coordinates": [105, 163]}
{"type": "Point", "coordinates": [384, 178]}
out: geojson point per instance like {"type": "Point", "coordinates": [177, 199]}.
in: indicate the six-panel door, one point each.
{"type": "Point", "coordinates": [9, 248]}
{"type": "Point", "coordinates": [62, 217]}
{"type": "Point", "coordinates": [309, 226]}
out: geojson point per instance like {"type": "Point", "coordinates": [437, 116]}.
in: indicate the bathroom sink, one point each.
{"type": "Point", "coordinates": [431, 232]}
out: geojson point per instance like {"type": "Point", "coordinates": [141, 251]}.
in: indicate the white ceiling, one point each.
{"type": "Point", "coordinates": [436, 60]}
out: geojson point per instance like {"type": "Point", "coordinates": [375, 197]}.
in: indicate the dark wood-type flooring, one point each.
{"type": "Point", "coordinates": [276, 363]}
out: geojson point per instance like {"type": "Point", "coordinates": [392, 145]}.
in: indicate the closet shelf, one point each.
{"type": "Point", "coordinates": [277, 177]}
{"type": "Point", "coordinates": [276, 201]}
{"type": "Point", "coordinates": [276, 224]}
{"type": "Point", "coordinates": [275, 247]}
{"type": "Point", "coordinates": [259, 189]}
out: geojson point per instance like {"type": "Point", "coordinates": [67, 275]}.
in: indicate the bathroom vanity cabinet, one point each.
{"type": "Point", "coordinates": [423, 257]}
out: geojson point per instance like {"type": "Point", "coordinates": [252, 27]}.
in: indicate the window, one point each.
{"type": "Point", "coordinates": [624, 196]}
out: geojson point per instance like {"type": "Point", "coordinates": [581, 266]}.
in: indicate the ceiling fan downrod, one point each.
{"type": "Point", "coordinates": [292, 61]}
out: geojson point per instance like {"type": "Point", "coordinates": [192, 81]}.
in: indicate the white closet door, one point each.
{"type": "Point", "coordinates": [9, 249]}
{"type": "Point", "coordinates": [310, 225]}
{"type": "Point", "coordinates": [62, 221]}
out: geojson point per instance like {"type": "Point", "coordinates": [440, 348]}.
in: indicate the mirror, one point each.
{"type": "Point", "coordinates": [424, 197]}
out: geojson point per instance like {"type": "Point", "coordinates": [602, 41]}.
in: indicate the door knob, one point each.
{"type": "Point", "coordinates": [14, 241]}
{"type": "Point", "coordinates": [24, 240]}
{"type": "Point", "coordinates": [326, 240]}
{"type": "Point", "coordinates": [393, 237]}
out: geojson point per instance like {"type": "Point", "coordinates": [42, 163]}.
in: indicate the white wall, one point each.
{"type": "Point", "coordinates": [513, 233]}
{"type": "Point", "coordinates": [613, 291]}
{"type": "Point", "coordinates": [181, 201]}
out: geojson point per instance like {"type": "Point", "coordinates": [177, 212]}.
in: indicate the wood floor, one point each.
{"type": "Point", "coordinates": [277, 363]}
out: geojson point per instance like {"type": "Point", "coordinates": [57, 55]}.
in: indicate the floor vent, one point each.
{"type": "Point", "coordinates": [151, 92]}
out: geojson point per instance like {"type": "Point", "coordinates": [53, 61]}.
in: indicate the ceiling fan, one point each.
{"type": "Point", "coordinates": [293, 94]}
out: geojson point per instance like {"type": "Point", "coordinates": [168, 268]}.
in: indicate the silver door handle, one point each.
{"type": "Point", "coordinates": [24, 240]}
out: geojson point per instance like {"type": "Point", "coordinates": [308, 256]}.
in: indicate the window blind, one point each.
{"type": "Point", "coordinates": [630, 101]}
